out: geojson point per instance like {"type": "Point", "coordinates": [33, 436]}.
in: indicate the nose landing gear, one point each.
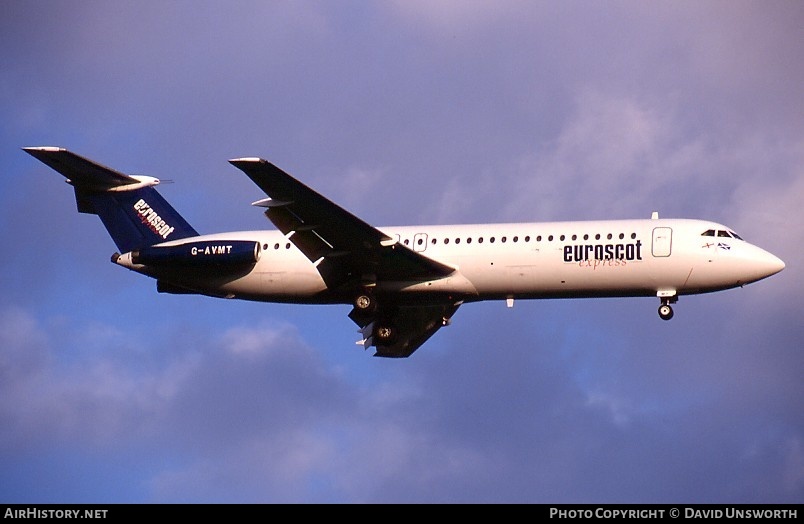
{"type": "Point", "coordinates": [667, 298]}
{"type": "Point", "coordinates": [665, 312]}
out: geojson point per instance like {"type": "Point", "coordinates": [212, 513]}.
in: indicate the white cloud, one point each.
{"type": "Point", "coordinates": [245, 341]}
{"type": "Point", "coordinates": [277, 469]}
{"type": "Point", "coordinates": [771, 191]}
{"type": "Point", "coordinates": [612, 158]}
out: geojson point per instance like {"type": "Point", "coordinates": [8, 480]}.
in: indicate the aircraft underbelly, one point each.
{"type": "Point", "coordinates": [559, 278]}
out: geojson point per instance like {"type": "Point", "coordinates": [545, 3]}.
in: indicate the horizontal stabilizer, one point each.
{"type": "Point", "coordinates": [79, 171]}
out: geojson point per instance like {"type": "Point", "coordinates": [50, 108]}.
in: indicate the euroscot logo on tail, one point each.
{"type": "Point", "coordinates": [152, 220]}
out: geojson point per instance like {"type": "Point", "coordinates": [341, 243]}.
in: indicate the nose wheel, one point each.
{"type": "Point", "coordinates": [665, 312]}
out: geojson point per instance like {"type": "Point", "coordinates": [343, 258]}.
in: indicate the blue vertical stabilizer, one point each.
{"type": "Point", "coordinates": [133, 211]}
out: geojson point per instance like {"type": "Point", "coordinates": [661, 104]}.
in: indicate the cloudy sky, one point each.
{"type": "Point", "coordinates": [403, 112]}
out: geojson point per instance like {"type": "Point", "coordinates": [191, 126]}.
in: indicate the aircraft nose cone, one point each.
{"type": "Point", "coordinates": [768, 264]}
{"type": "Point", "coordinates": [775, 264]}
{"type": "Point", "coordinates": [756, 264]}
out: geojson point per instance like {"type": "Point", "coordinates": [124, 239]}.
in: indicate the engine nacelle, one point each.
{"type": "Point", "coordinates": [207, 253]}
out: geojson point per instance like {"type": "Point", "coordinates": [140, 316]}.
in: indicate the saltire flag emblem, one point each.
{"type": "Point", "coordinates": [721, 245]}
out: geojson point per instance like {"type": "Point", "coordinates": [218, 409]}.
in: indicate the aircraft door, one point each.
{"type": "Point", "coordinates": [662, 241]}
{"type": "Point", "coordinates": [419, 242]}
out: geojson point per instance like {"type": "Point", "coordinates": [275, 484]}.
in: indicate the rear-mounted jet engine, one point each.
{"type": "Point", "coordinates": [199, 254]}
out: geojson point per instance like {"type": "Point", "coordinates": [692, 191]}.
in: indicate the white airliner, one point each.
{"type": "Point", "coordinates": [404, 283]}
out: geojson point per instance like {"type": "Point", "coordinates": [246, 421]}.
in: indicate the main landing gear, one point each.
{"type": "Point", "coordinates": [385, 334]}
{"type": "Point", "coordinates": [366, 307]}
{"type": "Point", "coordinates": [365, 303]}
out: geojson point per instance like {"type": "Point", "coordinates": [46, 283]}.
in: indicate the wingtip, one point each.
{"type": "Point", "coordinates": [44, 149]}
{"type": "Point", "coordinates": [247, 159]}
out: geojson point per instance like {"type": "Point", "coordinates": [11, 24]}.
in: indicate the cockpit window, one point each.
{"type": "Point", "coordinates": [722, 233]}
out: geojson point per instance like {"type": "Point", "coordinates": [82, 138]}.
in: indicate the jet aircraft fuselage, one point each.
{"type": "Point", "coordinates": [642, 257]}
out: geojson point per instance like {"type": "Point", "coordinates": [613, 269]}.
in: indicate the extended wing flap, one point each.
{"type": "Point", "coordinates": [398, 262]}
{"type": "Point", "coordinates": [409, 327]}
{"type": "Point", "coordinates": [302, 237]}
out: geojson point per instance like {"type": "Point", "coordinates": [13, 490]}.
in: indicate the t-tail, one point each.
{"type": "Point", "coordinates": [134, 213]}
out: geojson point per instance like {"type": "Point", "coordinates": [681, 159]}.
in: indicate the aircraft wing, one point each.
{"type": "Point", "coordinates": [412, 325]}
{"type": "Point", "coordinates": [351, 255]}
{"type": "Point", "coordinates": [347, 251]}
